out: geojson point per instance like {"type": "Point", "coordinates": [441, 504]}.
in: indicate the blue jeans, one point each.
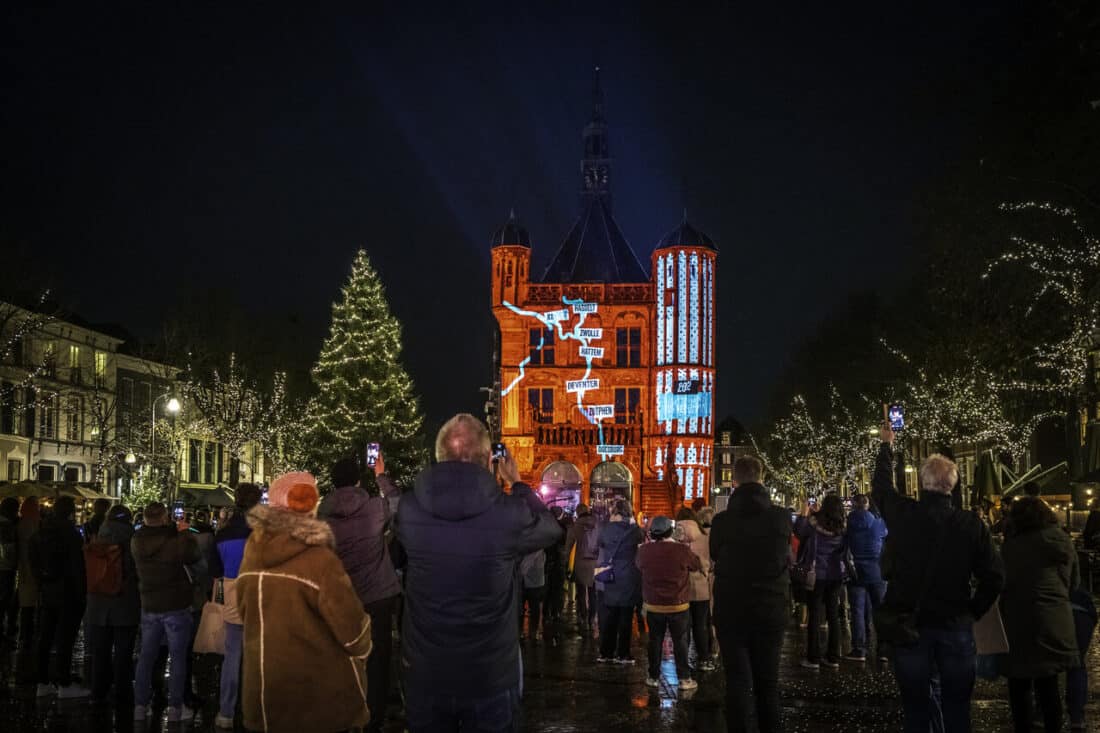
{"type": "Point", "coordinates": [862, 599]}
{"type": "Point", "coordinates": [946, 657]}
{"type": "Point", "coordinates": [429, 713]}
{"type": "Point", "coordinates": [231, 670]}
{"type": "Point", "coordinates": [176, 626]}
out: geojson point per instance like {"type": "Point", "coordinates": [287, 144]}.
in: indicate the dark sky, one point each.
{"type": "Point", "coordinates": [184, 153]}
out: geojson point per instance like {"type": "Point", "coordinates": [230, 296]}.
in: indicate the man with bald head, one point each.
{"type": "Point", "coordinates": [942, 574]}
{"type": "Point", "coordinates": [464, 537]}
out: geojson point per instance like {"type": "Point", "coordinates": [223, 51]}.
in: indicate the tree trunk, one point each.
{"type": "Point", "coordinates": [234, 471]}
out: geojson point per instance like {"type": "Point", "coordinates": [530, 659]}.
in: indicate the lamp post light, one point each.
{"type": "Point", "coordinates": [172, 407]}
{"type": "Point", "coordinates": [130, 458]}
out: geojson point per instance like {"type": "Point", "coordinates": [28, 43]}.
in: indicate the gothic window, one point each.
{"type": "Point", "coordinates": [626, 404]}
{"type": "Point", "coordinates": [541, 346]}
{"type": "Point", "coordinates": [628, 347]}
{"type": "Point", "coordinates": [542, 404]}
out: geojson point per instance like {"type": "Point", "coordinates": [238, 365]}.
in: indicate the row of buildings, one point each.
{"type": "Point", "coordinates": [80, 404]}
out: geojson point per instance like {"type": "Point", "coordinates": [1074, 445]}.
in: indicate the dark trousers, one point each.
{"type": "Point", "coordinates": [700, 629]}
{"type": "Point", "coordinates": [533, 599]}
{"type": "Point", "coordinates": [750, 656]}
{"type": "Point", "coordinates": [8, 606]}
{"type": "Point", "coordinates": [60, 625]}
{"type": "Point", "coordinates": [428, 713]}
{"type": "Point", "coordinates": [112, 661]}
{"type": "Point", "coordinates": [1050, 703]}
{"type": "Point", "coordinates": [28, 615]}
{"type": "Point", "coordinates": [615, 627]}
{"type": "Point", "coordinates": [862, 600]}
{"type": "Point", "coordinates": [825, 597]}
{"type": "Point", "coordinates": [381, 656]}
{"type": "Point", "coordinates": [1077, 678]}
{"type": "Point", "coordinates": [586, 604]}
{"type": "Point", "coordinates": [677, 625]}
{"type": "Point", "coordinates": [943, 655]}
{"type": "Point", "coordinates": [555, 593]}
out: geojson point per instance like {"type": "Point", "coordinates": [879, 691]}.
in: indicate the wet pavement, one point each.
{"type": "Point", "coordinates": [567, 692]}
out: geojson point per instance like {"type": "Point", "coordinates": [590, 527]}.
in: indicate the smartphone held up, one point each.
{"type": "Point", "coordinates": [499, 452]}
{"type": "Point", "coordinates": [895, 415]}
{"type": "Point", "coordinates": [373, 450]}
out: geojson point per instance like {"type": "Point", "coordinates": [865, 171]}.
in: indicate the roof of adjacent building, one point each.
{"type": "Point", "coordinates": [595, 250]}
{"type": "Point", "coordinates": [686, 235]}
{"type": "Point", "coordinates": [510, 232]}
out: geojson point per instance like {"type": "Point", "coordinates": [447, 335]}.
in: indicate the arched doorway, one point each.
{"type": "Point", "coordinates": [560, 485]}
{"type": "Point", "coordinates": [609, 481]}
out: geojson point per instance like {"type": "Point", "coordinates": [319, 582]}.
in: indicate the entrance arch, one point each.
{"type": "Point", "coordinates": [560, 485]}
{"type": "Point", "coordinates": [609, 481]}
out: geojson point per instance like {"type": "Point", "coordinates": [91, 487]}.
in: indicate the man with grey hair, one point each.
{"type": "Point", "coordinates": [942, 573]}
{"type": "Point", "coordinates": [464, 538]}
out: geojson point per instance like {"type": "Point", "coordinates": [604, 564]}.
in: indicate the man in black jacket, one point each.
{"type": "Point", "coordinates": [750, 544]}
{"type": "Point", "coordinates": [934, 553]}
{"type": "Point", "coordinates": [464, 538]}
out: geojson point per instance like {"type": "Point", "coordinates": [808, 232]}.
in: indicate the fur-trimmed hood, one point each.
{"type": "Point", "coordinates": [280, 534]}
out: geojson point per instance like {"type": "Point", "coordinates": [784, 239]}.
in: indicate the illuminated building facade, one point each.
{"type": "Point", "coordinates": [606, 366]}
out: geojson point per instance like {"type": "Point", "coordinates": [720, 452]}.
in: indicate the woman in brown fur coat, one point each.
{"type": "Point", "coordinates": [306, 637]}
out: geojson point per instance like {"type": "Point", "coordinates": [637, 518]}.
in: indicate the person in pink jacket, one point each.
{"type": "Point", "coordinates": [690, 533]}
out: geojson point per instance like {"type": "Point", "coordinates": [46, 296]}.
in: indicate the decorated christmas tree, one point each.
{"type": "Point", "coordinates": [363, 393]}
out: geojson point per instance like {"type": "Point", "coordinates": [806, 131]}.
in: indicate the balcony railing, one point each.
{"type": "Point", "coordinates": [562, 434]}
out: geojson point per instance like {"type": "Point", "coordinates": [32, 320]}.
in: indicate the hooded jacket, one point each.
{"type": "Point", "coordinates": [830, 548]}
{"type": "Point", "coordinates": [57, 558]}
{"type": "Point", "coordinates": [688, 532]}
{"type": "Point", "coordinates": [464, 539]}
{"type": "Point", "coordinates": [359, 522]}
{"type": "Point", "coordinates": [584, 563]}
{"type": "Point", "coordinates": [125, 608]}
{"type": "Point", "coordinates": [1041, 570]}
{"type": "Point", "coordinates": [750, 544]}
{"type": "Point", "coordinates": [159, 555]}
{"type": "Point", "coordinates": [306, 635]}
{"type": "Point", "coordinates": [931, 541]}
{"type": "Point", "coordinates": [865, 534]}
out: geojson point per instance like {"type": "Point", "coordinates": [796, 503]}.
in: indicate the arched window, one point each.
{"type": "Point", "coordinates": [560, 485]}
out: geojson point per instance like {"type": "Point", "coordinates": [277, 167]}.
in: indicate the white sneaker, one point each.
{"type": "Point", "coordinates": [810, 665]}
{"type": "Point", "coordinates": [650, 682]}
{"type": "Point", "coordinates": [180, 714]}
{"type": "Point", "coordinates": [70, 692]}
{"type": "Point", "coordinates": [689, 684]}
{"type": "Point", "coordinates": [141, 712]}
{"type": "Point", "coordinates": [221, 721]}
{"type": "Point", "coordinates": [45, 690]}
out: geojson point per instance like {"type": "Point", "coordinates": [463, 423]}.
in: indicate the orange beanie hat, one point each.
{"type": "Point", "coordinates": [296, 491]}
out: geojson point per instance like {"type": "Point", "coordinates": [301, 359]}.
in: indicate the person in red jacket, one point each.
{"type": "Point", "coordinates": [666, 567]}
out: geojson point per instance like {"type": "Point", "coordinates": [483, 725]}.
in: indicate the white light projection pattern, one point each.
{"type": "Point", "coordinates": [556, 320]}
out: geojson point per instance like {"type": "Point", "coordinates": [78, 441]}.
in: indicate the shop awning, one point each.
{"type": "Point", "coordinates": [80, 492]}
{"type": "Point", "coordinates": [218, 496]}
{"type": "Point", "coordinates": [24, 489]}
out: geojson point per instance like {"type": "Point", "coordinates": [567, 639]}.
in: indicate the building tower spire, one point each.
{"type": "Point", "coordinates": [596, 164]}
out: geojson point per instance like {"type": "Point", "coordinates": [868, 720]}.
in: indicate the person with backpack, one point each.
{"type": "Point", "coordinates": [9, 561]}
{"type": "Point", "coordinates": [583, 539]}
{"type": "Point", "coordinates": [57, 559]}
{"type": "Point", "coordinates": [161, 553]}
{"type": "Point", "coordinates": [114, 607]}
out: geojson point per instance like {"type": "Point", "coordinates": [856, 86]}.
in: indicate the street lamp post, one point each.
{"type": "Point", "coordinates": [172, 407]}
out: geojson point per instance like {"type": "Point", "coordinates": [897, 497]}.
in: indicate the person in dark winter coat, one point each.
{"type": "Point", "coordinates": [751, 598]}
{"type": "Point", "coordinates": [9, 561]}
{"type": "Point", "coordinates": [57, 557]}
{"type": "Point", "coordinates": [229, 544]}
{"type": "Point", "coordinates": [360, 522]}
{"type": "Point", "coordinates": [26, 585]}
{"type": "Point", "coordinates": [582, 542]}
{"type": "Point", "coordinates": [934, 555]}
{"type": "Point", "coordinates": [161, 553]}
{"type": "Point", "coordinates": [112, 620]}
{"type": "Point", "coordinates": [464, 538]}
{"type": "Point", "coordinates": [865, 536]}
{"type": "Point", "coordinates": [100, 507]}
{"type": "Point", "coordinates": [1040, 571]}
{"type": "Point", "coordinates": [555, 575]}
{"type": "Point", "coordinates": [666, 566]}
{"type": "Point", "coordinates": [619, 540]}
{"type": "Point", "coordinates": [823, 535]}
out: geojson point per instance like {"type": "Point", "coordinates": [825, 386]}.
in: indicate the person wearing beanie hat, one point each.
{"type": "Point", "coordinates": [302, 619]}
{"type": "Point", "coordinates": [666, 567]}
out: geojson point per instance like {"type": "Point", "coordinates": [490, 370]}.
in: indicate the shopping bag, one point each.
{"type": "Point", "coordinates": [210, 638]}
{"type": "Point", "coordinates": [989, 632]}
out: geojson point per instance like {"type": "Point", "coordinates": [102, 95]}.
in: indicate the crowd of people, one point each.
{"type": "Point", "coordinates": [312, 597]}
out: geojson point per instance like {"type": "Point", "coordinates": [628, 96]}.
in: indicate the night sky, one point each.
{"type": "Point", "coordinates": [186, 153]}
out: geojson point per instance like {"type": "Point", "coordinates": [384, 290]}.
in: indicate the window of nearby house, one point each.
{"type": "Point", "coordinates": [126, 392]}
{"type": "Point", "coordinates": [49, 359]}
{"type": "Point", "coordinates": [100, 368]}
{"type": "Point", "coordinates": [626, 404]}
{"type": "Point", "coordinates": [74, 364]}
{"type": "Point", "coordinates": [545, 355]}
{"type": "Point", "coordinates": [726, 459]}
{"type": "Point", "coordinates": [45, 473]}
{"type": "Point", "coordinates": [209, 463]}
{"type": "Point", "coordinates": [7, 408]}
{"type": "Point", "coordinates": [628, 347]}
{"type": "Point", "coordinates": [146, 396]}
{"type": "Point", "coordinates": [72, 474]}
{"type": "Point", "coordinates": [47, 427]}
{"type": "Point", "coordinates": [542, 404]}
{"type": "Point", "coordinates": [29, 413]}
{"type": "Point", "coordinates": [15, 470]}
{"type": "Point", "coordinates": [727, 475]}
{"type": "Point", "coordinates": [221, 452]}
{"type": "Point", "coordinates": [74, 419]}
{"type": "Point", "coordinates": [194, 460]}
